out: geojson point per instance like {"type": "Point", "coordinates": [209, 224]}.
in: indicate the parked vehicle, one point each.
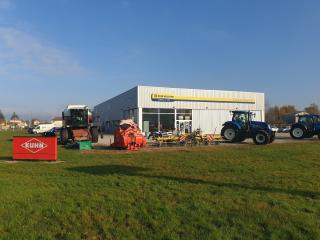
{"type": "Point", "coordinates": [242, 127]}
{"type": "Point", "coordinates": [307, 126]}
{"type": "Point", "coordinates": [41, 128]}
{"type": "Point", "coordinates": [78, 125]}
{"type": "Point", "coordinates": [53, 132]}
{"type": "Point", "coordinates": [30, 130]}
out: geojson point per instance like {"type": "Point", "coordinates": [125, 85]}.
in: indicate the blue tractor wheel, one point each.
{"type": "Point", "coordinates": [261, 138]}
{"type": "Point", "coordinates": [230, 133]}
{"type": "Point", "coordinates": [297, 132]}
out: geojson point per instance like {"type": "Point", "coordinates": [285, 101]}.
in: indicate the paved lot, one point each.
{"type": "Point", "coordinates": [107, 140]}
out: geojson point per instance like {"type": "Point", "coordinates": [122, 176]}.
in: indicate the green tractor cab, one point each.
{"type": "Point", "coordinates": [77, 125]}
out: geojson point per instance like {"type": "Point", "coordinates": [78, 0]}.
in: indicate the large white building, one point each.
{"type": "Point", "coordinates": [177, 109]}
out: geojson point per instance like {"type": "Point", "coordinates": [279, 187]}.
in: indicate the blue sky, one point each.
{"type": "Point", "coordinates": [53, 53]}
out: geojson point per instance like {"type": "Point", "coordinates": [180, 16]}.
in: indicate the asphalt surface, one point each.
{"type": "Point", "coordinates": [107, 140]}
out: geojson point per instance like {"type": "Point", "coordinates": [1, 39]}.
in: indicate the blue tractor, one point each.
{"type": "Point", "coordinates": [307, 126]}
{"type": "Point", "coordinates": [242, 127]}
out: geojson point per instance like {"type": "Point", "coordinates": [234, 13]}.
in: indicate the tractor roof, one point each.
{"type": "Point", "coordinates": [77, 107]}
{"type": "Point", "coordinates": [310, 115]}
{"type": "Point", "coordinates": [242, 111]}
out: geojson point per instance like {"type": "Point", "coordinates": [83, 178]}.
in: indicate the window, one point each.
{"type": "Point", "coordinates": [150, 122]}
{"type": "Point", "coordinates": [184, 111]}
{"type": "Point", "coordinates": [166, 110]}
{"type": "Point", "coordinates": [184, 114]}
{"type": "Point", "coordinates": [167, 122]}
{"type": "Point", "coordinates": [150, 110]}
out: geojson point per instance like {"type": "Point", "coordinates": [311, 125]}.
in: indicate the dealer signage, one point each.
{"type": "Point", "coordinates": [171, 98]}
{"type": "Point", "coordinates": [35, 148]}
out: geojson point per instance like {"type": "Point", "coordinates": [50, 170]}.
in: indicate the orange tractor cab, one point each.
{"type": "Point", "coordinates": [128, 136]}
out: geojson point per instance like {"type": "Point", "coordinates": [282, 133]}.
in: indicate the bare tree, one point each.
{"type": "Point", "coordinates": [2, 117]}
{"type": "Point", "coordinates": [312, 109]}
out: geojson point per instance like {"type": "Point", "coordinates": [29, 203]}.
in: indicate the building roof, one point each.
{"type": "Point", "coordinates": [57, 119]}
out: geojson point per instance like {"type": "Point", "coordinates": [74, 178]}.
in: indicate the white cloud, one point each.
{"type": "Point", "coordinates": [21, 52]}
{"type": "Point", "coordinates": [5, 4]}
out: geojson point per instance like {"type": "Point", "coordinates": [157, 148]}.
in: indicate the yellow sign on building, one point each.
{"type": "Point", "coordinates": [171, 98]}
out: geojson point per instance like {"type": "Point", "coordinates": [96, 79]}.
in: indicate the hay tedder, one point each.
{"type": "Point", "coordinates": [128, 136]}
{"type": "Point", "coordinates": [191, 139]}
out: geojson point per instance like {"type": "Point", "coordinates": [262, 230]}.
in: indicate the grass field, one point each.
{"type": "Point", "coordinates": [222, 192]}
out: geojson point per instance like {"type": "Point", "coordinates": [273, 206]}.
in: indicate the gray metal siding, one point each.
{"type": "Point", "coordinates": [144, 99]}
{"type": "Point", "coordinates": [112, 109]}
{"type": "Point", "coordinates": [209, 116]}
{"type": "Point", "coordinates": [210, 121]}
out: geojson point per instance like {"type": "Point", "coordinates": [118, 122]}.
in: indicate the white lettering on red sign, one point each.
{"type": "Point", "coordinates": [34, 145]}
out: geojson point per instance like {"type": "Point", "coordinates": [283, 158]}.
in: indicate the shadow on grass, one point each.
{"type": "Point", "coordinates": [140, 172]}
{"type": "Point", "coordinates": [5, 158]}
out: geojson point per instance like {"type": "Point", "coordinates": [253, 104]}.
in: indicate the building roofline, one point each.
{"type": "Point", "coordinates": [200, 89]}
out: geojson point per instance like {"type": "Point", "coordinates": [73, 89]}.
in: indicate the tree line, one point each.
{"type": "Point", "coordinates": [3, 118]}
{"type": "Point", "coordinates": [276, 114]}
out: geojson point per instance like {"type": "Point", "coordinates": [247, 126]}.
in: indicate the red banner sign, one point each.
{"type": "Point", "coordinates": [35, 148]}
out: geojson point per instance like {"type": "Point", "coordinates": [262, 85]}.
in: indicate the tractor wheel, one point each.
{"type": "Point", "coordinates": [229, 133]}
{"type": "Point", "coordinates": [241, 139]}
{"type": "Point", "coordinates": [319, 135]}
{"type": "Point", "coordinates": [261, 138]}
{"type": "Point", "coordinates": [64, 136]}
{"type": "Point", "coordinates": [272, 138]}
{"type": "Point", "coordinates": [297, 133]}
{"type": "Point", "coordinates": [94, 135]}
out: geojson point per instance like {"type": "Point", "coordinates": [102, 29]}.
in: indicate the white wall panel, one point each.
{"type": "Point", "coordinates": [206, 115]}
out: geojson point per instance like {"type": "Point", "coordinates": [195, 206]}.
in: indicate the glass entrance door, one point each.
{"type": "Point", "coordinates": [184, 126]}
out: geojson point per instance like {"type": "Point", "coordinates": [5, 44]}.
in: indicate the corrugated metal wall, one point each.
{"type": "Point", "coordinates": [206, 115]}
{"type": "Point", "coordinates": [209, 116]}
{"type": "Point", "coordinates": [144, 99]}
{"type": "Point", "coordinates": [113, 108]}
{"type": "Point", "coordinates": [210, 121]}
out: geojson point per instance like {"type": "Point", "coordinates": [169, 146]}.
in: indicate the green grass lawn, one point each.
{"type": "Point", "coordinates": [221, 192]}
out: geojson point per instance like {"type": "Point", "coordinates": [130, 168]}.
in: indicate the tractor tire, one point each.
{"type": "Point", "coordinates": [64, 136]}
{"type": "Point", "coordinates": [261, 138]}
{"type": "Point", "coordinates": [319, 135]}
{"type": "Point", "coordinates": [94, 135]}
{"type": "Point", "coordinates": [241, 139]}
{"type": "Point", "coordinates": [229, 133]}
{"type": "Point", "coordinates": [297, 133]}
{"type": "Point", "coordinates": [272, 138]}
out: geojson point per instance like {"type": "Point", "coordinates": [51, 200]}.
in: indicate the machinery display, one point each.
{"type": "Point", "coordinates": [307, 126]}
{"type": "Point", "coordinates": [78, 125]}
{"type": "Point", "coordinates": [128, 136]}
{"type": "Point", "coordinates": [242, 127]}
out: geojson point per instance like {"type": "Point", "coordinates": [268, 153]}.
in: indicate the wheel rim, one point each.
{"type": "Point", "coordinates": [297, 132]}
{"type": "Point", "coordinates": [229, 134]}
{"type": "Point", "coordinates": [260, 138]}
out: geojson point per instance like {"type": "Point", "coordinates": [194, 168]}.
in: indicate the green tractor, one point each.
{"type": "Point", "coordinates": [77, 125]}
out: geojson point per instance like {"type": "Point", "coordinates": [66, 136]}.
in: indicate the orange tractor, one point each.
{"type": "Point", "coordinates": [128, 136]}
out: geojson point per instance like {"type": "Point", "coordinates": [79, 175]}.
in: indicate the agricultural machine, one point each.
{"type": "Point", "coordinates": [307, 126]}
{"type": "Point", "coordinates": [242, 127]}
{"type": "Point", "coordinates": [128, 136]}
{"type": "Point", "coordinates": [77, 125]}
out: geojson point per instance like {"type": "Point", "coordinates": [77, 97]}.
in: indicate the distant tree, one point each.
{"type": "Point", "coordinates": [287, 109]}
{"type": "Point", "coordinates": [275, 114]}
{"type": "Point", "coordinates": [312, 109]}
{"type": "Point", "coordinates": [2, 117]}
{"type": "Point", "coordinates": [14, 116]}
